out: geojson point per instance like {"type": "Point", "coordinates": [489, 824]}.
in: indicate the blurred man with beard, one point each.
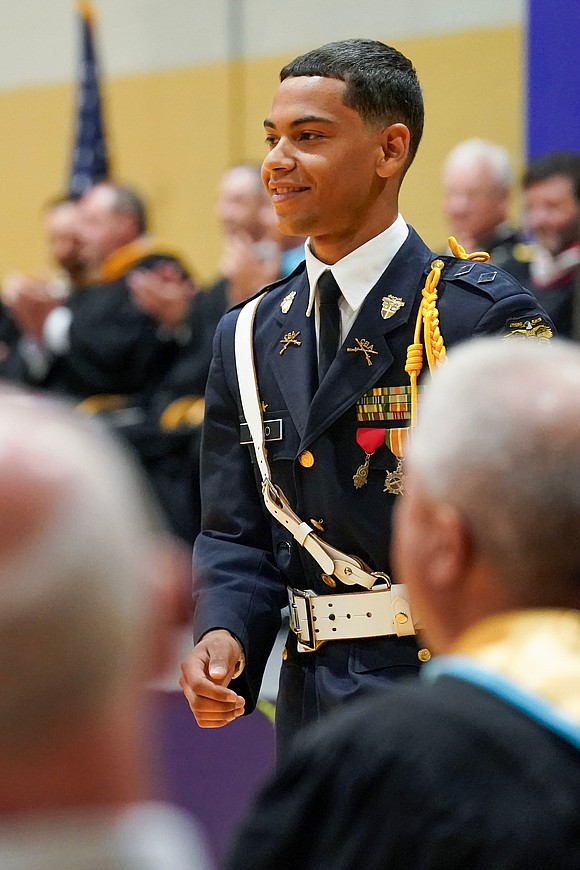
{"type": "Point", "coordinates": [550, 265]}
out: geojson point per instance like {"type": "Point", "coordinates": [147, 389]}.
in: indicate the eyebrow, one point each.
{"type": "Point", "coordinates": [305, 119]}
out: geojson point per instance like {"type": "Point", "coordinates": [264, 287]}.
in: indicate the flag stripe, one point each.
{"type": "Point", "coordinates": [90, 161]}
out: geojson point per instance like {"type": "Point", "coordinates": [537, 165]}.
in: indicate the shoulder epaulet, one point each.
{"type": "Point", "coordinates": [468, 271]}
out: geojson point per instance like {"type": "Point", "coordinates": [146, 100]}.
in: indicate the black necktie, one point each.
{"type": "Point", "coordinates": [329, 293]}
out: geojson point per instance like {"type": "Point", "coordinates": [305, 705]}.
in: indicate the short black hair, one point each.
{"type": "Point", "coordinates": [381, 83]}
{"type": "Point", "coordinates": [566, 163]}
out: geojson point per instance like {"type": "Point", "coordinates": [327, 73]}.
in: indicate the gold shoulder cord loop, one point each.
{"type": "Point", "coordinates": [428, 318]}
{"type": "Point", "coordinates": [459, 252]}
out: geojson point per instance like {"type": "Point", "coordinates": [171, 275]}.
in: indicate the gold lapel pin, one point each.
{"type": "Point", "coordinates": [289, 338]}
{"type": "Point", "coordinates": [287, 301]}
{"type": "Point", "coordinates": [364, 346]}
{"type": "Point", "coordinates": [390, 305]}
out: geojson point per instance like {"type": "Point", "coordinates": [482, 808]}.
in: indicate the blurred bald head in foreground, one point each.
{"type": "Point", "coordinates": [492, 510]}
{"type": "Point", "coordinates": [477, 763]}
{"type": "Point", "coordinates": [86, 595]}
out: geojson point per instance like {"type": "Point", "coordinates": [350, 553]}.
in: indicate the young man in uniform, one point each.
{"type": "Point", "coordinates": [338, 346]}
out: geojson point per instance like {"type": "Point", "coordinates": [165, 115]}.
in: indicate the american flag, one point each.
{"type": "Point", "coordinates": [90, 160]}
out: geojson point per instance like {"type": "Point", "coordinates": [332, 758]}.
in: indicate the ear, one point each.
{"type": "Point", "coordinates": [450, 548]}
{"type": "Point", "coordinates": [128, 228]}
{"type": "Point", "coordinates": [431, 545]}
{"type": "Point", "coordinates": [394, 150]}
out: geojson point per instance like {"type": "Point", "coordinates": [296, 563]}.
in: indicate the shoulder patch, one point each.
{"type": "Point", "coordinates": [529, 327]}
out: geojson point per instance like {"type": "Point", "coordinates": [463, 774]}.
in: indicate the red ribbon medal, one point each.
{"type": "Point", "coordinates": [370, 440]}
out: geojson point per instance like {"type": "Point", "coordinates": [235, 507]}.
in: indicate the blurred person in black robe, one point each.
{"type": "Point", "coordinates": [95, 340]}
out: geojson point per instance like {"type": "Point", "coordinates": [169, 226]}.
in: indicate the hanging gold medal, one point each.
{"type": "Point", "coordinates": [395, 440]}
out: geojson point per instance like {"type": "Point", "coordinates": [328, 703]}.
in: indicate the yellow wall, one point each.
{"type": "Point", "coordinates": [171, 134]}
{"type": "Point", "coordinates": [473, 86]}
{"type": "Point", "coordinates": [33, 148]}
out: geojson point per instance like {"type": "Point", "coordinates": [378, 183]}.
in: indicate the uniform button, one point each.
{"type": "Point", "coordinates": [284, 654]}
{"type": "Point", "coordinates": [423, 655]}
{"type": "Point", "coordinates": [318, 524]}
{"type": "Point", "coordinates": [437, 264]}
{"type": "Point", "coordinates": [306, 459]}
{"type": "Point", "coordinates": [330, 581]}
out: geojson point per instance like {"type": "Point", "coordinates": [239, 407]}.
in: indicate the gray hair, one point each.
{"type": "Point", "coordinates": [498, 437]}
{"type": "Point", "coordinates": [75, 596]}
{"type": "Point", "coordinates": [473, 151]}
{"type": "Point", "coordinates": [125, 200]}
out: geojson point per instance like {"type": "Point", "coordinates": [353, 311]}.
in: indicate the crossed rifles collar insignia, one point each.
{"type": "Point", "coordinates": [290, 339]}
{"type": "Point", "coordinates": [389, 306]}
{"type": "Point", "coordinates": [364, 346]}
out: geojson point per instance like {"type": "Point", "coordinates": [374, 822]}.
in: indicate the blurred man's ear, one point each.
{"type": "Point", "coordinates": [431, 554]}
{"type": "Point", "coordinates": [125, 226]}
{"type": "Point", "coordinates": [449, 547]}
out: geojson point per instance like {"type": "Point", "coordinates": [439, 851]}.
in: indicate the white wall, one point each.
{"type": "Point", "coordinates": [38, 38]}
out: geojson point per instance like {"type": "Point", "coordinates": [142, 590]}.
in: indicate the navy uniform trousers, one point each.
{"type": "Point", "coordinates": [243, 558]}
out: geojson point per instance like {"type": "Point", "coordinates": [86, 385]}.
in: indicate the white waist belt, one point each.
{"type": "Point", "coordinates": [380, 612]}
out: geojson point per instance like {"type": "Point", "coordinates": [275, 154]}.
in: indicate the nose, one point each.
{"type": "Point", "coordinates": [280, 157]}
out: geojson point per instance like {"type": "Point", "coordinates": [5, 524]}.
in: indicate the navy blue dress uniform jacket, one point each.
{"type": "Point", "coordinates": [243, 558]}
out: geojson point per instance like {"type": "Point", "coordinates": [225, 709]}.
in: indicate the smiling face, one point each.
{"type": "Point", "coordinates": [330, 176]}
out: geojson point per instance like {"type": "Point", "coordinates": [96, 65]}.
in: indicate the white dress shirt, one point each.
{"type": "Point", "coordinates": [356, 274]}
